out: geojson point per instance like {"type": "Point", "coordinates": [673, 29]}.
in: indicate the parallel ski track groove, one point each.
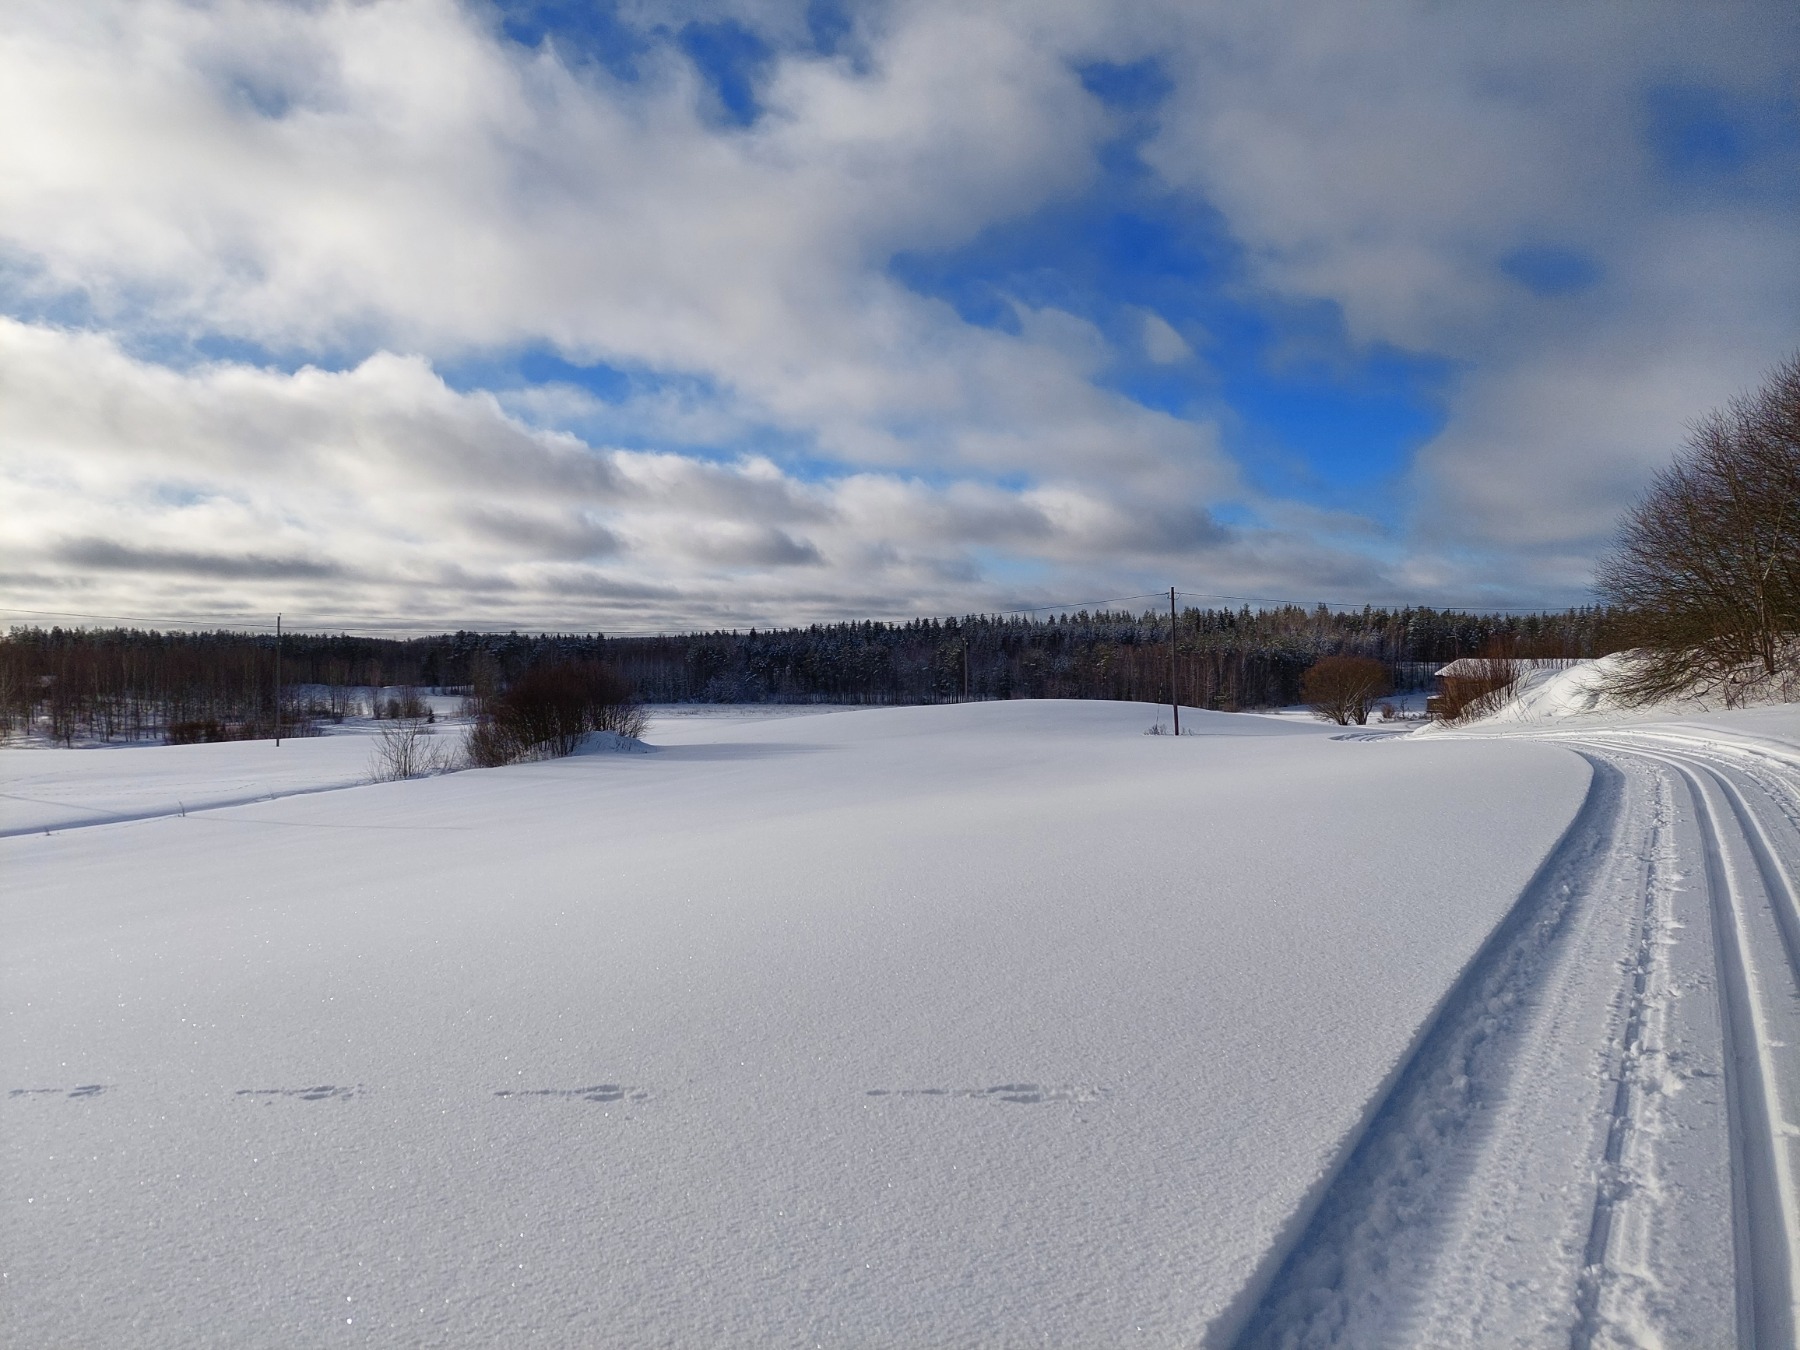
{"type": "Point", "coordinates": [1625, 1097]}
{"type": "Point", "coordinates": [1770, 770]}
{"type": "Point", "coordinates": [1765, 1188]}
{"type": "Point", "coordinates": [1752, 979]}
{"type": "Point", "coordinates": [1465, 1041]}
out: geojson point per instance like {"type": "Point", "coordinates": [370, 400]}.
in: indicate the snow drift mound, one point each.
{"type": "Point", "coordinates": [1584, 691]}
{"type": "Point", "coordinates": [1550, 695]}
{"type": "Point", "coordinates": [610, 742]}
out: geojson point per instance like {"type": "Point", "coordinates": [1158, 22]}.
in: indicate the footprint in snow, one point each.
{"type": "Point", "coordinates": [325, 1092]}
{"type": "Point", "coordinates": [84, 1090]}
{"type": "Point", "coordinates": [599, 1092]}
{"type": "Point", "coordinates": [1024, 1094]}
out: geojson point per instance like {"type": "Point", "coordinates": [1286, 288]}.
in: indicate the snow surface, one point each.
{"type": "Point", "coordinates": [984, 1024]}
{"type": "Point", "coordinates": [54, 789]}
{"type": "Point", "coordinates": [1599, 1143]}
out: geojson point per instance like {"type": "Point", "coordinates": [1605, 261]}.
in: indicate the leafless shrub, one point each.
{"type": "Point", "coordinates": [405, 747]}
{"type": "Point", "coordinates": [1707, 565]}
{"type": "Point", "coordinates": [489, 743]}
{"type": "Point", "coordinates": [547, 711]}
{"type": "Point", "coordinates": [628, 719]}
{"type": "Point", "coordinates": [1484, 687]}
{"type": "Point", "coordinates": [405, 704]}
{"type": "Point", "coordinates": [201, 731]}
{"type": "Point", "coordinates": [1343, 689]}
{"type": "Point", "coordinates": [295, 725]}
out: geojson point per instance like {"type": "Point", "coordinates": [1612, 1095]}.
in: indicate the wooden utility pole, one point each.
{"type": "Point", "coordinates": [1174, 698]}
{"type": "Point", "coordinates": [965, 670]}
{"type": "Point", "coordinates": [278, 681]}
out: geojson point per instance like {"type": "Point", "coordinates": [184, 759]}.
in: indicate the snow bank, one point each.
{"type": "Point", "coordinates": [1550, 695]}
{"type": "Point", "coordinates": [998, 1023]}
{"type": "Point", "coordinates": [1578, 697]}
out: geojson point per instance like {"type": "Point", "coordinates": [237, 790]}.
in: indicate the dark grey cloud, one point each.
{"type": "Point", "coordinates": [623, 592]}
{"type": "Point", "coordinates": [752, 546]}
{"type": "Point", "coordinates": [1180, 529]}
{"type": "Point", "coordinates": [103, 554]}
{"type": "Point", "coordinates": [561, 536]}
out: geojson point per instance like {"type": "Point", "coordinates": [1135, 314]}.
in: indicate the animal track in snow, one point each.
{"type": "Point", "coordinates": [324, 1093]}
{"type": "Point", "coordinates": [599, 1092]}
{"type": "Point", "coordinates": [1026, 1094]}
{"type": "Point", "coordinates": [84, 1090]}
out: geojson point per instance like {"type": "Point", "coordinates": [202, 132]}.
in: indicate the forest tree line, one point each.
{"type": "Point", "coordinates": [130, 684]}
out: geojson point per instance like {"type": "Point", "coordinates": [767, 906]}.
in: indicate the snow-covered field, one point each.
{"type": "Point", "coordinates": [65, 789]}
{"type": "Point", "coordinates": [986, 1024]}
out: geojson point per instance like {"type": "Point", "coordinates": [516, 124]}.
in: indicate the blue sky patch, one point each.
{"type": "Point", "coordinates": [583, 31]}
{"type": "Point", "coordinates": [1699, 131]}
{"type": "Point", "coordinates": [1304, 410]}
{"type": "Point", "coordinates": [731, 58]}
{"type": "Point", "coordinates": [1712, 139]}
{"type": "Point", "coordinates": [1136, 87]}
{"type": "Point", "coordinates": [830, 26]}
{"type": "Point", "coordinates": [1551, 271]}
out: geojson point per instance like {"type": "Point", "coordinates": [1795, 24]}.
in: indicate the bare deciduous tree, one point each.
{"type": "Point", "coordinates": [1343, 689]}
{"type": "Point", "coordinates": [1707, 565]}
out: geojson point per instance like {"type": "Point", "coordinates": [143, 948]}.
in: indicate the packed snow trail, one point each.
{"type": "Point", "coordinates": [1747, 805]}
{"type": "Point", "coordinates": [1599, 1139]}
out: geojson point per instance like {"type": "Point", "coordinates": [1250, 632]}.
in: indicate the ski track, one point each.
{"type": "Point", "coordinates": [102, 816]}
{"type": "Point", "coordinates": [1597, 1142]}
{"type": "Point", "coordinates": [1756, 933]}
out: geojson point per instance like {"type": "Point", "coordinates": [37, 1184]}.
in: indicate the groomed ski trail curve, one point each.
{"type": "Point", "coordinates": [1597, 1142]}
{"type": "Point", "coordinates": [1747, 807]}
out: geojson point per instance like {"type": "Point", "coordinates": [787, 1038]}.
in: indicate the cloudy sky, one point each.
{"type": "Point", "coordinates": [632, 315]}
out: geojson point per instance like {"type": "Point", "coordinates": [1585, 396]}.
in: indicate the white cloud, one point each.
{"type": "Point", "coordinates": [380, 495]}
{"type": "Point", "coordinates": [1162, 344]}
{"type": "Point", "coordinates": [375, 179]}
{"type": "Point", "coordinates": [424, 187]}
{"type": "Point", "coordinates": [1389, 157]}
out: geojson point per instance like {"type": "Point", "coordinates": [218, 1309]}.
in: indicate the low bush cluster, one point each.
{"type": "Point", "coordinates": [407, 704]}
{"type": "Point", "coordinates": [209, 730]}
{"type": "Point", "coordinates": [406, 748]}
{"type": "Point", "coordinates": [548, 709]}
{"type": "Point", "coordinates": [1479, 687]}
